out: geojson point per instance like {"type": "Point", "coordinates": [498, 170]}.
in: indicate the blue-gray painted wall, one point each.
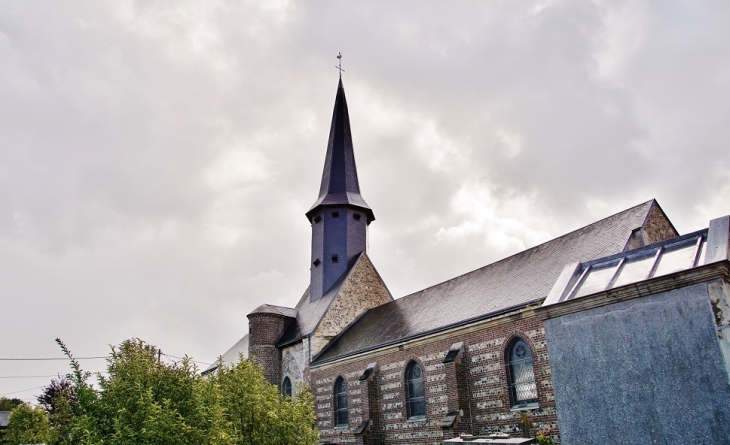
{"type": "Point", "coordinates": [643, 371]}
{"type": "Point", "coordinates": [343, 236]}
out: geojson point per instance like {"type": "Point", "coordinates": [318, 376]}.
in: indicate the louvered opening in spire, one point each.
{"type": "Point", "coordinates": [339, 178]}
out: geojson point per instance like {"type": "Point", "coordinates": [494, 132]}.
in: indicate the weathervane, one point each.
{"type": "Point", "coordinates": [339, 58]}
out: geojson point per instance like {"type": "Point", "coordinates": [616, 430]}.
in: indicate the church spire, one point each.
{"type": "Point", "coordinates": [340, 216]}
{"type": "Point", "coordinates": [339, 178]}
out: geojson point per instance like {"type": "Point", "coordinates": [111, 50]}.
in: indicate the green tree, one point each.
{"type": "Point", "coordinates": [9, 404]}
{"type": "Point", "coordinates": [144, 400]}
{"type": "Point", "coordinates": [61, 404]}
{"type": "Point", "coordinates": [255, 411]}
{"type": "Point", "coordinates": [27, 426]}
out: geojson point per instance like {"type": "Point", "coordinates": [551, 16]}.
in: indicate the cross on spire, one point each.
{"type": "Point", "coordinates": [339, 58]}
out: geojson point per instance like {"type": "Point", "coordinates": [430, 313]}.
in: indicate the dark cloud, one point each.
{"type": "Point", "coordinates": [157, 161]}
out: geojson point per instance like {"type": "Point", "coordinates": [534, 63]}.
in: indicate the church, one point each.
{"type": "Point", "coordinates": [470, 355]}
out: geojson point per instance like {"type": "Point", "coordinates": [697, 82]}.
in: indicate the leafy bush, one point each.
{"type": "Point", "coordinates": [145, 400]}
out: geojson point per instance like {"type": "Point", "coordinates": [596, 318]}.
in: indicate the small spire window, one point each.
{"type": "Point", "coordinates": [317, 219]}
{"type": "Point", "coordinates": [335, 258]}
{"type": "Point", "coordinates": [317, 262]}
{"type": "Point", "coordinates": [356, 216]}
{"type": "Point", "coordinates": [335, 214]}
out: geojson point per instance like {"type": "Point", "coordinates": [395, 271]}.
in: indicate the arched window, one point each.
{"type": "Point", "coordinates": [520, 373]}
{"type": "Point", "coordinates": [286, 387]}
{"type": "Point", "coordinates": [341, 402]}
{"type": "Point", "coordinates": [415, 394]}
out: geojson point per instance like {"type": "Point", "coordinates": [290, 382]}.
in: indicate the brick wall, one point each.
{"type": "Point", "coordinates": [265, 330]}
{"type": "Point", "coordinates": [477, 385]}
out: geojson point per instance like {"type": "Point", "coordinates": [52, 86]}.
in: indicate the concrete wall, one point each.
{"type": "Point", "coordinates": [642, 371]}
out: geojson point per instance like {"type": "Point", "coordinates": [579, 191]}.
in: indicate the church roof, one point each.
{"type": "Point", "coordinates": [339, 177]}
{"type": "Point", "coordinates": [513, 282]}
{"type": "Point", "coordinates": [231, 356]}
{"type": "Point", "coordinates": [277, 310]}
{"type": "Point", "coordinates": [309, 313]}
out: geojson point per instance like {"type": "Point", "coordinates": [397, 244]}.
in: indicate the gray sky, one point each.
{"type": "Point", "coordinates": [157, 158]}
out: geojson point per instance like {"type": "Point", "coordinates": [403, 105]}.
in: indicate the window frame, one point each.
{"type": "Point", "coordinates": [340, 389]}
{"type": "Point", "coordinates": [411, 398]}
{"type": "Point", "coordinates": [286, 384]}
{"type": "Point", "coordinates": [512, 383]}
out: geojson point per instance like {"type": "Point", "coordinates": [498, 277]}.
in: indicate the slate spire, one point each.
{"type": "Point", "coordinates": [339, 217]}
{"type": "Point", "coordinates": [339, 178]}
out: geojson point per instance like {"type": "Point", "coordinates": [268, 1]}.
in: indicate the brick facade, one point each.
{"type": "Point", "coordinates": [262, 346]}
{"type": "Point", "coordinates": [475, 383]}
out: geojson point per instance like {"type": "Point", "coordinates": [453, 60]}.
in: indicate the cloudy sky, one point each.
{"type": "Point", "coordinates": [157, 158]}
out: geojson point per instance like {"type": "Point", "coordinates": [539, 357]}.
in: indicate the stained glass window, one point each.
{"type": "Point", "coordinates": [415, 394]}
{"type": "Point", "coordinates": [523, 388]}
{"type": "Point", "coordinates": [341, 414]}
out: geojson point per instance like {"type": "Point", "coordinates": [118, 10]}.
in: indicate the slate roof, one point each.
{"type": "Point", "coordinates": [310, 313]}
{"type": "Point", "coordinates": [306, 317]}
{"type": "Point", "coordinates": [340, 185]}
{"type": "Point", "coordinates": [4, 416]}
{"type": "Point", "coordinates": [271, 309]}
{"type": "Point", "coordinates": [230, 357]}
{"type": "Point", "coordinates": [513, 282]}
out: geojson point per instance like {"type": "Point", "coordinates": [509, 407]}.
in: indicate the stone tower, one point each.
{"type": "Point", "coordinates": [340, 216]}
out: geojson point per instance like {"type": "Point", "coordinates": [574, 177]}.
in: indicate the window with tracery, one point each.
{"type": "Point", "coordinates": [415, 393]}
{"type": "Point", "coordinates": [521, 374]}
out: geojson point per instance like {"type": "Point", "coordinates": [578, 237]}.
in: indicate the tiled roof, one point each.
{"type": "Point", "coordinates": [517, 280]}
{"type": "Point", "coordinates": [340, 185]}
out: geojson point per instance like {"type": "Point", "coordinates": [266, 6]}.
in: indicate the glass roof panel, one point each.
{"type": "Point", "coordinates": [596, 281]}
{"type": "Point", "coordinates": [701, 260]}
{"type": "Point", "coordinates": [675, 260]}
{"type": "Point", "coordinates": [634, 271]}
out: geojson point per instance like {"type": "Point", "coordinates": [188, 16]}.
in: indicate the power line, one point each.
{"type": "Point", "coordinates": [22, 390]}
{"type": "Point", "coordinates": [180, 358]}
{"type": "Point", "coordinates": [6, 359]}
{"type": "Point", "coordinates": [35, 359]}
{"type": "Point", "coordinates": [27, 376]}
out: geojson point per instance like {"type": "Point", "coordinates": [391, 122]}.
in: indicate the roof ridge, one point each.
{"type": "Point", "coordinates": [524, 251]}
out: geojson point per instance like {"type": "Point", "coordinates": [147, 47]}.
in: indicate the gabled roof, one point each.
{"type": "Point", "coordinates": [309, 313]}
{"type": "Point", "coordinates": [340, 185]}
{"type": "Point", "coordinates": [518, 280]}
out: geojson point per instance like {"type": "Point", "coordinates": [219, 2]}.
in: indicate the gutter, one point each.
{"type": "Point", "coordinates": [447, 327]}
